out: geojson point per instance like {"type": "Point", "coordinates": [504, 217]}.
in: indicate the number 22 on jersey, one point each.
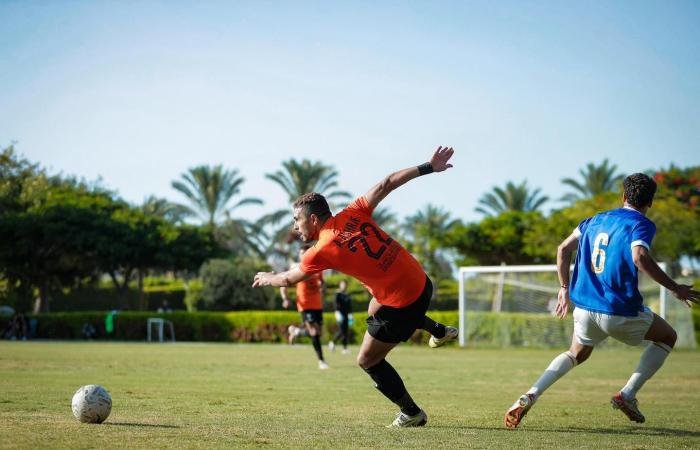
{"type": "Point", "coordinates": [598, 255]}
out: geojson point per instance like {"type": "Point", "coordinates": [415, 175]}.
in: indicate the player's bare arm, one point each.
{"type": "Point", "coordinates": [645, 262]}
{"type": "Point", "coordinates": [287, 278]}
{"type": "Point", "coordinates": [284, 292]}
{"type": "Point", "coordinates": [564, 252]}
{"type": "Point", "coordinates": [438, 163]}
{"type": "Point", "coordinates": [285, 297]}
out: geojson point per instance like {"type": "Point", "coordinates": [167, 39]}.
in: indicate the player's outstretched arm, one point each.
{"type": "Point", "coordinates": [644, 262]}
{"type": "Point", "coordinates": [438, 163]}
{"type": "Point", "coordinates": [564, 252]}
{"type": "Point", "coordinates": [288, 278]}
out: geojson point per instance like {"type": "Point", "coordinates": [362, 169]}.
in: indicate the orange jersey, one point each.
{"type": "Point", "coordinates": [352, 243]}
{"type": "Point", "coordinates": [309, 293]}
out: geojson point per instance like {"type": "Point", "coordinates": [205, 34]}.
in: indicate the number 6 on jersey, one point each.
{"type": "Point", "coordinates": [598, 255]}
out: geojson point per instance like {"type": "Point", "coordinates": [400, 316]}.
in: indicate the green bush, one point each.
{"type": "Point", "coordinates": [226, 285]}
{"type": "Point", "coordinates": [244, 326]}
{"type": "Point", "coordinates": [157, 290]}
{"type": "Point", "coordinates": [96, 299]}
{"type": "Point", "coordinates": [484, 328]}
{"type": "Point", "coordinates": [105, 299]}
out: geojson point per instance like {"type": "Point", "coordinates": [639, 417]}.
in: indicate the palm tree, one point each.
{"type": "Point", "coordinates": [595, 180]}
{"type": "Point", "coordinates": [160, 207]}
{"type": "Point", "coordinates": [300, 177]}
{"type": "Point", "coordinates": [242, 237]}
{"type": "Point", "coordinates": [297, 178]}
{"type": "Point", "coordinates": [209, 191]}
{"type": "Point", "coordinates": [511, 198]}
{"type": "Point", "coordinates": [425, 232]}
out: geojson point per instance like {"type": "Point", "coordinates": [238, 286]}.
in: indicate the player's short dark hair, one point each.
{"type": "Point", "coordinates": [313, 203]}
{"type": "Point", "coordinates": [639, 189]}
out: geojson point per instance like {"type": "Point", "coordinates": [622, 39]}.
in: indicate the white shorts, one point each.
{"type": "Point", "coordinates": [592, 328]}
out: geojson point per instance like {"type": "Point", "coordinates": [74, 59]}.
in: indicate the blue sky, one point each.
{"type": "Point", "coordinates": [137, 92]}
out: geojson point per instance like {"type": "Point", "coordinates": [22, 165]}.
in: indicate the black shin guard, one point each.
{"type": "Point", "coordinates": [316, 342]}
{"type": "Point", "coordinates": [389, 383]}
{"type": "Point", "coordinates": [434, 328]}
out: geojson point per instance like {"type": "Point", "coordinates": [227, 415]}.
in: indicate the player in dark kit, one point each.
{"type": "Point", "coordinates": [343, 314]}
{"type": "Point", "coordinates": [352, 243]}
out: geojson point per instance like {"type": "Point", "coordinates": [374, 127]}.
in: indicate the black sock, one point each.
{"type": "Point", "coordinates": [316, 342]}
{"type": "Point", "coordinates": [389, 383]}
{"type": "Point", "coordinates": [407, 405]}
{"type": "Point", "coordinates": [434, 328]}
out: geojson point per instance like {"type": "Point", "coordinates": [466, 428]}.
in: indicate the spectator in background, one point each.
{"type": "Point", "coordinates": [89, 331]}
{"type": "Point", "coordinates": [165, 307]}
{"type": "Point", "coordinates": [17, 328]}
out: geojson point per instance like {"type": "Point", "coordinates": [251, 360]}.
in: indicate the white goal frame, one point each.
{"type": "Point", "coordinates": [464, 271]}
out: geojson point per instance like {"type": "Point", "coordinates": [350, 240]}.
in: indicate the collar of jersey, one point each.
{"type": "Point", "coordinates": [631, 209]}
{"type": "Point", "coordinates": [326, 226]}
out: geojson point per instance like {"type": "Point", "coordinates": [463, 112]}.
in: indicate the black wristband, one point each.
{"type": "Point", "coordinates": [425, 169]}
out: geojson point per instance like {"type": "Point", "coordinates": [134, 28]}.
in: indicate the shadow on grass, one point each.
{"type": "Point", "coordinates": [629, 431]}
{"type": "Point", "coordinates": [133, 424]}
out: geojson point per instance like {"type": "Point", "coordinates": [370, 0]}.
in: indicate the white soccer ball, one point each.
{"type": "Point", "coordinates": [91, 404]}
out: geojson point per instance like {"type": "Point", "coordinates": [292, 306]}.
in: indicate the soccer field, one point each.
{"type": "Point", "coordinates": [189, 395]}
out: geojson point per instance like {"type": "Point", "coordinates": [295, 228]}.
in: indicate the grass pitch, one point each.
{"type": "Point", "coordinates": [190, 395]}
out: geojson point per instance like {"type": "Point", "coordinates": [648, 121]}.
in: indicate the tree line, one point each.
{"type": "Point", "coordinates": [59, 232]}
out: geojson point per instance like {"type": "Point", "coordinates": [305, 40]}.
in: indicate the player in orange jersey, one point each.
{"type": "Point", "coordinates": [352, 243]}
{"type": "Point", "coordinates": [310, 305]}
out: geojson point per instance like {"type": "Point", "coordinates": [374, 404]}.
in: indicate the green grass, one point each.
{"type": "Point", "coordinates": [223, 396]}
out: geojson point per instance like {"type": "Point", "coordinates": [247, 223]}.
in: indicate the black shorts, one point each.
{"type": "Point", "coordinates": [312, 316]}
{"type": "Point", "coordinates": [393, 325]}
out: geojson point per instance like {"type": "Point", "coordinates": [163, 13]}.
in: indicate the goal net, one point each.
{"type": "Point", "coordinates": [514, 306]}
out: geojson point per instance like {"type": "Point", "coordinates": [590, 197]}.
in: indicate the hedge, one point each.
{"type": "Point", "coordinates": [484, 329]}
{"type": "Point", "coordinates": [157, 290]}
{"type": "Point", "coordinates": [105, 299]}
{"type": "Point", "coordinates": [100, 298]}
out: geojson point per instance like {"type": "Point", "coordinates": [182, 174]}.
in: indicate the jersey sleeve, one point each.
{"type": "Point", "coordinates": [643, 233]}
{"type": "Point", "coordinates": [313, 262]}
{"type": "Point", "coordinates": [360, 204]}
{"type": "Point", "coordinates": [581, 228]}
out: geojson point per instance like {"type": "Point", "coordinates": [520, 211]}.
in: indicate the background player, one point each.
{"type": "Point", "coordinates": [310, 306]}
{"type": "Point", "coordinates": [604, 288]}
{"type": "Point", "coordinates": [352, 243]}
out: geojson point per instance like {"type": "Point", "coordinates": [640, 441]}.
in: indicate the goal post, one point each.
{"type": "Point", "coordinates": [495, 300]}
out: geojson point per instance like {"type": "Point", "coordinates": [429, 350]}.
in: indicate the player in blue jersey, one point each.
{"type": "Point", "coordinates": [612, 247]}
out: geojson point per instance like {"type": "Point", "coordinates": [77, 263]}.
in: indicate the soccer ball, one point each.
{"type": "Point", "coordinates": [91, 404]}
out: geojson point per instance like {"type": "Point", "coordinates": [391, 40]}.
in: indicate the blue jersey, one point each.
{"type": "Point", "coordinates": [605, 278]}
